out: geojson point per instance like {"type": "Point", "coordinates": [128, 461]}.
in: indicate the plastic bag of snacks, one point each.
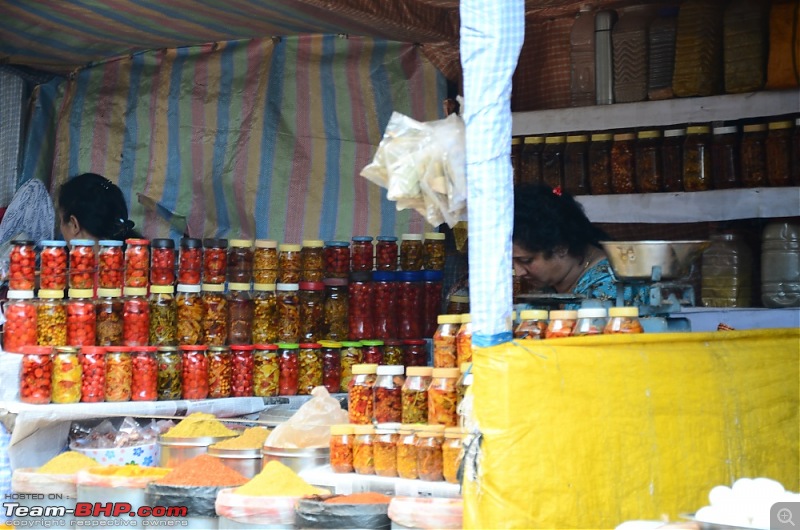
{"type": "Point", "coordinates": [311, 424]}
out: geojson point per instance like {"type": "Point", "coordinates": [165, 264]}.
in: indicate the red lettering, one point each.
{"type": "Point", "coordinates": [83, 509]}
{"type": "Point", "coordinates": [103, 509]}
{"type": "Point", "coordinates": [121, 507]}
{"type": "Point", "coordinates": [145, 511]}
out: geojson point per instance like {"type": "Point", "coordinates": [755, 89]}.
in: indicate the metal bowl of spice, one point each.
{"type": "Point", "coordinates": [191, 437]}
{"type": "Point", "coordinates": [297, 459]}
{"type": "Point", "coordinates": [242, 453]}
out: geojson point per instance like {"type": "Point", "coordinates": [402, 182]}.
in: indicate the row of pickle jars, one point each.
{"type": "Point", "coordinates": [213, 261]}
{"type": "Point", "coordinates": [694, 158]}
{"type": "Point", "coordinates": [541, 324]}
{"type": "Point", "coordinates": [148, 373]}
{"type": "Point", "coordinates": [425, 452]}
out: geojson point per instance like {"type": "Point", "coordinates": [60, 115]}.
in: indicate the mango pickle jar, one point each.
{"type": "Point", "coordinates": [386, 253]}
{"type": "Point", "coordinates": [215, 315]}
{"type": "Point", "coordinates": [331, 365]}
{"type": "Point", "coordinates": [411, 252]}
{"type": "Point", "coordinates": [384, 306]}
{"type": "Point", "coordinates": [135, 317]}
{"type": "Point", "coordinates": [266, 370]}
{"type": "Point", "coordinates": [163, 316]}
{"type": "Point", "coordinates": [312, 260]}
{"type": "Point", "coordinates": [290, 264]}
{"type": "Point", "coordinates": [341, 448]}
{"type": "Point", "coordinates": [190, 313]}
{"type": "Point", "coordinates": [360, 299]}
{"type": "Point", "coordinates": [51, 318]}
{"type": "Point", "coordinates": [67, 375]}
{"type": "Point", "coordinates": [53, 265]}
{"type": "Point", "coordinates": [240, 261]}
{"type": "Point", "coordinates": [532, 324]}
{"type": "Point", "coordinates": [337, 259]}
{"type": "Point", "coordinates": [452, 453]}
{"type": "Point", "coordinates": [363, 449]}
{"type": "Point", "coordinates": [35, 375]}
{"type": "Point", "coordinates": [220, 368]}
{"type": "Point", "coordinates": [359, 394]}
{"type": "Point", "coordinates": [697, 158]}
{"type": "Point", "coordinates": [372, 351]}
{"type": "Point", "coordinates": [215, 260]}
{"type": "Point", "coordinates": [82, 264]}
{"type": "Point", "coordinates": [361, 254]}
{"type": "Point", "coordinates": [22, 266]}
{"type": "Point", "coordinates": [415, 352]}
{"type": "Point", "coordinates": [144, 373]}
{"type": "Point", "coordinates": [623, 320]}
{"type": "Point", "coordinates": [289, 365]}
{"type": "Point", "coordinates": [432, 301]}
{"type": "Point", "coordinates": [430, 464]}
{"type": "Point", "coordinates": [590, 321]}
{"type": "Point", "coordinates": [162, 262]}
{"type": "Point", "coordinates": [242, 370]}
{"type": "Point", "coordinates": [194, 371]}
{"type": "Point", "coordinates": [433, 251]}
{"type": "Point", "coordinates": [137, 262]}
{"type": "Point", "coordinates": [310, 367]}
{"type": "Point", "coordinates": [414, 394]}
{"type": "Point", "coordinates": [190, 261]}
{"type": "Point", "coordinates": [561, 324]}
{"type": "Point", "coordinates": [119, 373]}
{"type": "Point", "coordinates": [241, 310]}
{"type": "Point", "coordinates": [265, 314]}
{"type": "Point", "coordinates": [443, 397]}
{"type": "Point", "coordinates": [20, 326]}
{"type": "Point", "coordinates": [725, 154]}
{"type": "Point", "coordinates": [288, 304]}
{"type": "Point", "coordinates": [649, 178]}
{"type": "Point", "coordinates": [393, 352]}
{"type": "Point", "coordinates": [93, 381]}
{"type": "Point", "coordinates": [384, 449]}
{"type": "Point", "coordinates": [410, 305]}
{"type": "Point", "coordinates": [170, 371]}
{"type": "Point", "coordinates": [108, 317]}
{"type": "Point", "coordinates": [407, 452]}
{"type": "Point", "coordinates": [444, 341]}
{"type": "Point", "coordinates": [387, 394]}
{"type": "Point", "coordinates": [265, 261]}
{"type": "Point", "coordinates": [312, 311]}
{"type": "Point", "coordinates": [464, 341]}
{"type": "Point", "coordinates": [81, 318]}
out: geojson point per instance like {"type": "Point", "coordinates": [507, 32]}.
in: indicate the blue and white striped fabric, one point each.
{"type": "Point", "coordinates": [492, 32]}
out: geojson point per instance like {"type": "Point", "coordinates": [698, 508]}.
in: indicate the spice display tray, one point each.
{"type": "Point", "coordinates": [346, 483]}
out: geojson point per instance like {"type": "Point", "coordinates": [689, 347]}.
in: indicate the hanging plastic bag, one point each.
{"type": "Point", "coordinates": [311, 424]}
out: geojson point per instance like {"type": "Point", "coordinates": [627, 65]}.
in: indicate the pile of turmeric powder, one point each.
{"type": "Point", "coordinates": [199, 425]}
{"type": "Point", "coordinates": [68, 463]}
{"type": "Point", "coordinates": [131, 471]}
{"type": "Point", "coordinates": [277, 480]}
{"type": "Point", "coordinates": [252, 438]}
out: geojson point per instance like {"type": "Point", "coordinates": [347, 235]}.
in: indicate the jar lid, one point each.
{"type": "Point", "coordinates": [411, 237]}
{"type": "Point", "coordinates": [602, 137]}
{"type": "Point", "coordinates": [66, 349]}
{"type": "Point", "coordinates": [575, 138]}
{"type": "Point", "coordinates": [623, 312]}
{"type": "Point", "coordinates": [137, 241]}
{"type": "Point", "coordinates": [421, 371]}
{"type": "Point", "coordinates": [725, 130]}
{"type": "Point", "coordinates": [36, 350]}
{"type": "Point", "coordinates": [330, 344]}
{"type": "Point", "coordinates": [365, 369]}
{"type": "Point", "coordinates": [464, 367]}
{"type": "Point", "coordinates": [80, 293]}
{"type": "Point", "coordinates": [534, 140]}
{"type": "Point", "coordinates": [263, 287]}
{"type": "Point", "coordinates": [335, 282]}
{"type": "Point", "coordinates": [236, 286]}
{"type": "Point", "coordinates": [414, 342]}
{"type": "Point", "coordinates": [51, 293]}
{"type": "Point", "coordinates": [624, 137]}
{"type": "Point", "coordinates": [448, 319]}
{"type": "Point", "coordinates": [393, 342]}
{"type": "Point", "coordinates": [773, 125]}
{"type": "Point", "coordinates": [312, 286]}
{"type": "Point", "coordinates": [363, 429]}
{"type": "Point", "coordinates": [144, 349]}
{"type": "Point", "coordinates": [55, 243]}
{"type": "Point", "coordinates": [112, 293]}
{"type": "Point", "coordinates": [313, 243]}
{"type": "Point", "coordinates": [81, 242]}
{"type": "Point", "coordinates": [192, 347]}
{"type": "Point", "coordinates": [466, 318]}
{"type": "Point", "coordinates": [563, 315]}
{"type": "Point", "coordinates": [454, 432]}
{"type": "Point", "coordinates": [698, 129]}
{"type": "Point", "coordinates": [646, 135]}
{"type": "Point", "coordinates": [266, 243]}
{"type": "Point", "coordinates": [452, 373]}
{"type": "Point", "coordinates": [163, 243]}
{"type": "Point", "coordinates": [288, 346]}
{"type": "Point", "coordinates": [219, 349]}
{"type": "Point", "coordinates": [241, 243]}
{"type": "Point", "coordinates": [432, 276]}
{"type": "Point", "coordinates": [459, 299]}
{"type": "Point", "coordinates": [337, 243]}
{"type": "Point", "coordinates": [409, 276]}
{"type": "Point", "coordinates": [288, 287]}
{"type": "Point", "coordinates": [108, 243]}
{"type": "Point", "coordinates": [384, 276]}
{"type": "Point", "coordinates": [430, 430]}
{"type": "Point", "coordinates": [93, 350]}
{"type": "Point", "coordinates": [167, 349]}
{"type": "Point", "coordinates": [674, 132]}
{"type": "Point", "coordinates": [389, 239]}
{"type": "Point", "coordinates": [555, 139]}
{"type": "Point", "coordinates": [289, 248]}
{"type": "Point", "coordinates": [592, 312]}
{"type": "Point", "coordinates": [191, 242]}
{"type": "Point", "coordinates": [533, 314]}
{"type": "Point", "coordinates": [372, 342]}
{"type": "Point", "coordinates": [14, 294]}
{"type": "Point", "coordinates": [213, 287]}
{"type": "Point", "coordinates": [387, 428]}
{"type": "Point", "coordinates": [434, 236]}
{"type": "Point", "coordinates": [754, 127]}
{"type": "Point", "coordinates": [362, 239]}
{"type": "Point", "coordinates": [408, 428]}
{"type": "Point", "coordinates": [187, 288]}
{"type": "Point", "coordinates": [310, 345]}
{"type": "Point", "coordinates": [134, 291]}
{"type": "Point", "coordinates": [268, 347]}
{"type": "Point", "coordinates": [342, 428]}
{"type": "Point", "coordinates": [390, 369]}
{"type": "Point", "coordinates": [212, 242]}
{"type": "Point", "coordinates": [361, 277]}
{"type": "Point", "coordinates": [242, 347]}
{"type": "Point", "coordinates": [516, 140]}
{"type": "Point", "coordinates": [162, 289]}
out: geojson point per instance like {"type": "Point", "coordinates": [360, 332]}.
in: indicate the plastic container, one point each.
{"type": "Point", "coordinates": [81, 318]}
{"type": "Point", "coordinates": [553, 161]}
{"type": "Point", "coordinates": [452, 453]}
{"type": "Point", "coordinates": [220, 367]}
{"type": "Point", "coordinates": [137, 262]}
{"type": "Point", "coordinates": [464, 341]}
{"type": "Point", "coordinates": [265, 261]}
{"type": "Point", "coordinates": [109, 309]}
{"type": "Point", "coordinates": [312, 260]}
{"type": "Point", "coordinates": [629, 40]}
{"type": "Point", "coordinates": [93, 381]}
{"type": "Point", "coordinates": [265, 314]}
{"type": "Point", "coordinates": [591, 321]}
{"type": "Point", "coordinates": [190, 313]}
{"type": "Point", "coordinates": [336, 308]}
{"type": "Point", "coordinates": [407, 451]}
{"type": "Point", "coordinates": [603, 55]}
{"type": "Point", "coordinates": [780, 265]}
{"type": "Point", "coordinates": [331, 365]}
{"type": "Point", "coordinates": [530, 164]}
{"type": "Point", "coordinates": [290, 264]}
{"type": "Point", "coordinates": [194, 375]}
{"type": "Point", "coordinates": [240, 261]}
{"type": "Point", "coordinates": [162, 262]}
{"type": "Point", "coordinates": [215, 260]}
{"type": "Point", "coordinates": [144, 373]}
{"type": "Point", "coordinates": [22, 265]}
{"type": "Point", "coordinates": [649, 178]}
{"type": "Point", "coordinates": [726, 271]}
{"type": "Point", "coordinates": [215, 314]}
{"type": "Point", "coordinates": [385, 449]}
{"type": "Point", "coordinates": [444, 341]}
{"type": "Point", "coordinates": [415, 352]}
{"type": "Point", "coordinates": [410, 300]}
{"type": "Point", "coordinates": [35, 375]}
{"type": "Point", "coordinates": [576, 165]}
{"type": "Point", "coordinates": [745, 45]}
{"type": "Point", "coordinates": [337, 259]}
{"type": "Point", "coordinates": [51, 318]}
{"type": "Point", "coordinates": [190, 261]}
{"type": "Point", "coordinates": [532, 324]}
{"type": "Point", "coordinates": [135, 317]}
{"type": "Point", "coordinates": [384, 306]}
{"type": "Point", "coordinates": [562, 324]}
{"type": "Point", "coordinates": [119, 373]}
{"type": "Point", "coordinates": [310, 366]}
{"type": "Point", "coordinates": [430, 464]}
{"type": "Point", "coordinates": [414, 394]}
{"type": "Point", "coordinates": [289, 369]}
{"type": "Point", "coordinates": [779, 153]}
{"type": "Point", "coordinates": [361, 254]}
{"type": "Point", "coordinates": [386, 253]}
{"type": "Point", "coordinates": [623, 163]}
{"type": "Point", "coordinates": [725, 156]}
{"type": "Point", "coordinates": [360, 305]}
{"type": "Point", "coordinates": [672, 159]}
{"type": "Point", "coordinates": [582, 60]}
{"type": "Point", "coordinates": [242, 366]}
{"type": "Point", "coordinates": [443, 397]}
{"type": "Point", "coordinates": [600, 164]}
{"type": "Point", "coordinates": [82, 264]}
{"type": "Point", "coordinates": [411, 252]}
{"type": "Point", "coordinates": [697, 159]}
{"type": "Point", "coordinates": [661, 54]}
{"type": "Point", "coordinates": [20, 326]}
{"type": "Point", "coordinates": [53, 265]}
{"type": "Point", "coordinates": [363, 454]}
{"type": "Point", "coordinates": [623, 320]}
{"type": "Point", "coordinates": [387, 390]}
{"type": "Point", "coordinates": [170, 367]}
{"type": "Point", "coordinates": [341, 446]}
{"type": "Point", "coordinates": [163, 316]}
{"type": "Point", "coordinates": [433, 251]}
{"type": "Point", "coordinates": [432, 301]}
{"type": "Point", "coordinates": [359, 393]}
{"type": "Point", "coordinates": [266, 370]}
{"type": "Point", "coordinates": [753, 155]}
{"type": "Point", "coordinates": [698, 49]}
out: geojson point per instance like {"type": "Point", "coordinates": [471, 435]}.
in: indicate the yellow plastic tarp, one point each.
{"type": "Point", "coordinates": [588, 432]}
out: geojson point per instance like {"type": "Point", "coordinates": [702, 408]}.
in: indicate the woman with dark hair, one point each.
{"type": "Point", "coordinates": [555, 246]}
{"type": "Point", "coordinates": [92, 207]}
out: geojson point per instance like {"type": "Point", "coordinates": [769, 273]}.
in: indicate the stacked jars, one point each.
{"type": "Point", "coordinates": [310, 367]}
{"type": "Point", "coordinates": [432, 305]}
{"type": "Point", "coordinates": [22, 266]}
{"type": "Point", "coordinates": [20, 327]}
{"type": "Point", "coordinates": [242, 370]}
{"type": "Point", "coordinates": [220, 367]}
{"type": "Point", "coordinates": [190, 315]}
{"type": "Point", "coordinates": [93, 365]}
{"type": "Point", "coordinates": [444, 341]}
{"type": "Point", "coordinates": [331, 365]}
{"type": "Point", "coordinates": [464, 341]}
{"type": "Point", "coordinates": [337, 259]}
{"type": "Point", "coordinates": [532, 325]}
{"type": "Point", "coordinates": [312, 261]}
{"type": "Point", "coordinates": [290, 264]}
{"type": "Point", "coordinates": [350, 355]}
{"type": "Point", "coordinates": [386, 253]}
{"type": "Point", "coordinates": [387, 394]}
{"type": "Point", "coordinates": [561, 324]}
{"type": "Point", "coordinates": [162, 262]}
{"type": "Point", "coordinates": [360, 301]}
{"type": "Point", "coordinates": [108, 317]}
{"type": "Point", "coordinates": [240, 261]}
{"type": "Point", "coordinates": [266, 369]}
{"type": "Point", "coordinates": [119, 373]}
{"type": "Point", "coordinates": [312, 311]}
{"type": "Point", "coordinates": [341, 448]}
{"type": "Point", "coordinates": [190, 262]}
{"type": "Point", "coordinates": [163, 316]}
{"type": "Point", "coordinates": [360, 400]}
{"type": "Point", "coordinates": [443, 397]}
{"type": "Point", "coordinates": [169, 384]}
{"type": "Point", "coordinates": [241, 310]}
{"type": "Point", "coordinates": [215, 315]}
{"type": "Point", "coordinates": [194, 371]}
{"type": "Point", "coordinates": [288, 306]}
{"type": "Point", "coordinates": [384, 306]}
{"type": "Point", "coordinates": [135, 317]}
{"type": "Point", "coordinates": [289, 369]}
{"type": "Point", "coordinates": [414, 395]}
{"type": "Point", "coordinates": [265, 314]}
{"type": "Point", "coordinates": [215, 260]}
{"type": "Point", "coordinates": [51, 318]}
{"type": "Point", "coordinates": [35, 376]}
{"type": "Point", "coordinates": [53, 265]}
{"type": "Point", "coordinates": [82, 264]}
{"type": "Point", "coordinates": [361, 254]}
{"type": "Point", "coordinates": [81, 318]}
{"type": "Point", "coordinates": [144, 373]}
{"type": "Point", "coordinates": [137, 263]}
{"type": "Point", "coordinates": [410, 299]}
{"type": "Point", "coordinates": [265, 262]}
{"type": "Point", "coordinates": [67, 375]}
{"type": "Point", "coordinates": [336, 309]}
{"type": "Point", "coordinates": [411, 252]}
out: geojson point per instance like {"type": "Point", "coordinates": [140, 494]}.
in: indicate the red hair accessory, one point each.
{"type": "Point", "coordinates": [557, 191]}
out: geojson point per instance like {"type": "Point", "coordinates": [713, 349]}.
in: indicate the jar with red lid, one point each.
{"type": "Point", "coordinates": [135, 317]}
{"type": "Point", "coordinates": [410, 305]}
{"type": "Point", "coordinates": [359, 394]}
{"type": "Point", "coordinates": [220, 366]}
{"type": "Point", "coordinates": [384, 312]}
{"type": "Point", "coordinates": [82, 264]}
{"type": "Point", "coordinates": [67, 375]}
{"type": "Point", "coordinates": [312, 260]}
{"type": "Point", "coordinates": [360, 321]}
{"type": "Point", "coordinates": [386, 252]}
{"type": "Point", "coordinates": [266, 370]}
{"type": "Point", "coordinates": [464, 340]}
{"type": "Point", "coordinates": [265, 314]}
{"type": "Point", "coordinates": [108, 317]}
{"type": "Point", "coordinates": [242, 370]}
{"type": "Point", "coordinates": [162, 262]}
{"type": "Point", "coordinates": [215, 260]}
{"type": "Point", "coordinates": [215, 314]}
{"type": "Point", "coordinates": [341, 448]}
{"type": "Point", "coordinates": [53, 265]}
{"type": "Point", "coordinates": [288, 298]}
{"type": "Point", "coordinates": [623, 163]}
{"type": "Point", "coordinates": [433, 252]}
{"type": "Point", "coordinates": [240, 261]}
{"type": "Point", "coordinates": [290, 264]}
{"type": "Point", "coordinates": [553, 160]}
{"type": "Point", "coordinates": [443, 397]}
{"type": "Point", "coordinates": [561, 324]}
{"type": "Point", "coordinates": [144, 380]}
{"type": "Point", "coordinates": [336, 309]}
{"type": "Point", "coordinates": [672, 159]}
{"type": "Point", "coordinates": [331, 365]}
{"type": "Point", "coordinates": [414, 394]}
{"type": "Point", "coordinates": [361, 253]}
{"type": "Point", "coordinates": [310, 367]}
{"type": "Point", "coordinates": [35, 375]}
{"type": "Point", "coordinates": [600, 164]}
{"type": "Point", "coordinates": [753, 155]}
{"type": "Point", "coordinates": [415, 352]}
{"type": "Point", "coordinates": [51, 318]}
{"type": "Point", "coordinates": [393, 351]}
{"type": "Point", "coordinates": [20, 326]}
{"type": "Point", "coordinates": [697, 158]}
{"type": "Point", "coordinates": [194, 371]}
{"type": "Point", "coordinates": [411, 252]}
{"type": "Point", "coordinates": [22, 266]}
{"type": "Point", "coordinates": [725, 170]}
{"type": "Point", "coordinates": [337, 259]}
{"type": "Point", "coordinates": [93, 381]}
{"type": "Point", "coordinates": [387, 394]}
{"type": "Point", "coordinates": [372, 351]}
{"type": "Point", "coordinates": [81, 318]}
{"type": "Point", "coordinates": [289, 367]}
{"type": "Point", "coordinates": [119, 373]}
{"type": "Point", "coordinates": [110, 264]}
{"type": "Point", "coordinates": [432, 288]}
{"type": "Point", "coordinates": [265, 261]}
{"type": "Point", "coordinates": [648, 162]}
{"type": "Point", "coordinates": [190, 261]}
{"type": "Point", "coordinates": [779, 153]}
{"type": "Point", "coordinates": [163, 316]}
{"type": "Point", "coordinates": [190, 315]}
{"type": "Point", "coordinates": [170, 372]}
{"type": "Point", "coordinates": [137, 262]}
{"type": "Point", "coordinates": [312, 311]}
{"type": "Point", "coordinates": [349, 355]}
{"type": "Point", "coordinates": [240, 314]}
{"type": "Point", "coordinates": [576, 164]}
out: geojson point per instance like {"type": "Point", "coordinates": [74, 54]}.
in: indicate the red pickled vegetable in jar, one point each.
{"type": "Point", "coordinates": [190, 261]}
{"type": "Point", "coordinates": [372, 351]}
{"type": "Point", "coordinates": [111, 264]}
{"type": "Point", "coordinates": [220, 366]}
{"type": "Point", "coordinates": [20, 326]}
{"type": "Point", "coordinates": [135, 317]}
{"type": "Point", "coordinates": [331, 365]}
{"type": "Point", "coordinates": [432, 287]}
{"type": "Point", "coordinates": [289, 366]}
{"type": "Point", "coordinates": [415, 352]}
{"type": "Point", "coordinates": [361, 251]}
{"type": "Point", "coordinates": [386, 252]}
{"type": "Point", "coordinates": [35, 375]}
{"type": "Point", "coordinates": [194, 371]}
{"type": "Point", "coordinates": [215, 260]}
{"type": "Point", "coordinates": [137, 262]}
{"type": "Point", "coordinates": [144, 382]}
{"type": "Point", "coordinates": [82, 264]}
{"type": "Point", "coordinates": [410, 299]}
{"type": "Point", "coordinates": [242, 370]}
{"type": "Point", "coordinates": [361, 325]}
{"type": "Point", "coordinates": [53, 265]}
{"type": "Point", "coordinates": [162, 262]}
{"type": "Point", "coordinates": [93, 382]}
{"type": "Point", "coordinates": [22, 266]}
{"type": "Point", "coordinates": [337, 259]}
{"type": "Point", "coordinates": [384, 305]}
{"type": "Point", "coordinates": [81, 318]}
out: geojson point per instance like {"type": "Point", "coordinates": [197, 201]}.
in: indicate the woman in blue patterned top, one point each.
{"type": "Point", "coordinates": [556, 247]}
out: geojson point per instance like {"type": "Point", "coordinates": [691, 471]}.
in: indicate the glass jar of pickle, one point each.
{"type": "Point", "coordinates": [215, 260]}
{"type": "Point", "coordinates": [361, 254]}
{"type": "Point", "coordinates": [753, 155]}
{"type": "Point", "coordinates": [386, 253]}
{"type": "Point", "coordinates": [265, 261]}
{"type": "Point", "coordinates": [384, 312]}
{"type": "Point", "coordinates": [457, 305]}
{"type": "Point", "coordinates": [312, 311]}
{"type": "Point", "coordinates": [215, 314]}
{"type": "Point", "coordinates": [93, 380]}
{"type": "Point", "coordinates": [53, 265]}
{"type": "Point", "coordinates": [35, 375]}
{"type": "Point", "coordinates": [135, 317]}
{"type": "Point", "coordinates": [697, 159]}
{"type": "Point", "coordinates": [162, 262]}
{"type": "Point", "coordinates": [349, 355]}
{"type": "Point", "coordinates": [407, 452]}
{"type": "Point", "coordinates": [20, 327]}
{"type": "Point", "coordinates": [289, 369]}
{"type": "Point", "coordinates": [363, 455]}
{"type": "Point", "coordinates": [331, 365]}
{"type": "Point", "coordinates": [220, 366]}
{"type": "Point", "coordinates": [444, 341]}
{"type": "Point", "coordinates": [530, 160]}
{"type": "Point", "coordinates": [168, 382]}
{"type": "Point", "coordinates": [119, 373]}
{"type": "Point", "coordinates": [310, 367]}
{"type": "Point", "coordinates": [414, 394]}
{"type": "Point", "coordinates": [312, 261]}
{"type": "Point", "coordinates": [410, 305]}
{"type": "Point", "coordinates": [561, 324]}
{"type": "Point", "coordinates": [190, 315]}
{"type": "Point", "coordinates": [265, 314]}
{"type": "Point", "coordinates": [387, 394]}
{"type": "Point", "coordinates": [240, 261]}
{"type": "Point", "coordinates": [190, 261]}
{"type": "Point", "coordinates": [672, 159]}
{"type": "Point", "coordinates": [82, 264]}
{"type": "Point", "coordinates": [108, 317]}
{"type": "Point", "coordinates": [359, 393]}
{"type": "Point", "coordinates": [779, 153]}
{"type": "Point", "coordinates": [360, 301]}
{"type": "Point", "coordinates": [290, 264]}
{"type": "Point", "coordinates": [288, 304]}
{"type": "Point", "coordinates": [67, 374]}
{"type": "Point", "coordinates": [429, 440]}
{"type": "Point", "coordinates": [623, 320]}
{"type": "Point", "coordinates": [393, 352]}
{"type": "Point", "coordinates": [648, 162]}
{"type": "Point", "coordinates": [433, 251]}
{"type": "Point", "coordinates": [81, 318]}
{"type": "Point", "coordinates": [372, 351]}
{"type": "Point", "coordinates": [194, 371]}
{"type": "Point", "coordinates": [384, 449]}
{"type": "Point", "coordinates": [163, 316]}
{"type": "Point", "coordinates": [576, 164]}
{"type": "Point", "coordinates": [532, 325]}
{"type": "Point", "coordinates": [137, 262]}
{"type": "Point", "coordinates": [336, 308]}
{"type": "Point", "coordinates": [623, 163]}
{"type": "Point", "coordinates": [51, 318]}
{"type": "Point", "coordinates": [600, 164]}
{"type": "Point", "coordinates": [411, 252]}
{"type": "Point", "coordinates": [242, 370]}
{"type": "Point", "coordinates": [464, 341]}
{"type": "Point", "coordinates": [415, 352]}
{"type": "Point", "coordinates": [22, 266]}
{"type": "Point", "coordinates": [341, 448]}
{"type": "Point", "coordinates": [452, 453]}
{"type": "Point", "coordinates": [591, 321]}
{"type": "Point", "coordinates": [443, 397]}
{"type": "Point", "coordinates": [337, 259]}
{"type": "Point", "coordinates": [266, 370]}
{"type": "Point", "coordinates": [240, 314]}
{"type": "Point", "coordinates": [553, 161]}
{"type": "Point", "coordinates": [725, 154]}
{"type": "Point", "coordinates": [144, 373]}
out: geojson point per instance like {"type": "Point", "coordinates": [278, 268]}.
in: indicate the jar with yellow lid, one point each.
{"type": "Point", "coordinates": [443, 397]}
{"type": "Point", "coordinates": [753, 155]}
{"type": "Point", "coordinates": [600, 164]}
{"type": "Point", "coordinates": [81, 318]}
{"type": "Point", "coordinates": [697, 158]}
{"type": "Point", "coordinates": [135, 317]}
{"type": "Point", "coordinates": [530, 162]}
{"type": "Point", "coordinates": [411, 251]}
{"type": "Point", "coordinates": [452, 453]}
{"type": "Point", "coordinates": [430, 462]}
{"type": "Point", "coordinates": [407, 451]}
{"type": "Point", "coordinates": [623, 163]}
{"type": "Point", "coordinates": [649, 178]}
{"type": "Point", "coordinates": [20, 327]}
{"type": "Point", "coordinates": [433, 251]}
{"type": "Point", "coordinates": [290, 264]}
{"type": "Point", "coordinates": [384, 449]}
{"type": "Point", "coordinates": [576, 164]}
{"type": "Point", "coordinates": [623, 320]}
{"type": "Point", "coordinates": [457, 304]}
{"type": "Point", "coordinates": [359, 395]}
{"type": "Point", "coordinates": [464, 340]}
{"type": "Point", "coordinates": [779, 153]}
{"type": "Point", "coordinates": [240, 261]}
{"type": "Point", "coordinates": [265, 314]}
{"type": "Point", "coordinates": [444, 341]}
{"type": "Point", "coordinates": [363, 449]}
{"type": "Point", "coordinates": [51, 318]}
{"type": "Point", "coordinates": [108, 317]}
{"type": "Point", "coordinates": [553, 161]}
{"type": "Point", "coordinates": [190, 314]}
{"type": "Point", "coordinates": [312, 260]}
{"type": "Point", "coordinates": [240, 314]}
{"type": "Point", "coordinates": [414, 394]}
{"type": "Point", "coordinates": [67, 373]}
{"type": "Point", "coordinates": [591, 321]}
{"type": "Point", "coordinates": [532, 324]}
{"type": "Point", "coordinates": [561, 324]}
{"type": "Point", "coordinates": [265, 261]}
{"type": "Point", "coordinates": [341, 448]}
{"type": "Point", "coordinates": [215, 315]}
{"type": "Point", "coordinates": [387, 394]}
{"type": "Point", "coordinates": [163, 316]}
